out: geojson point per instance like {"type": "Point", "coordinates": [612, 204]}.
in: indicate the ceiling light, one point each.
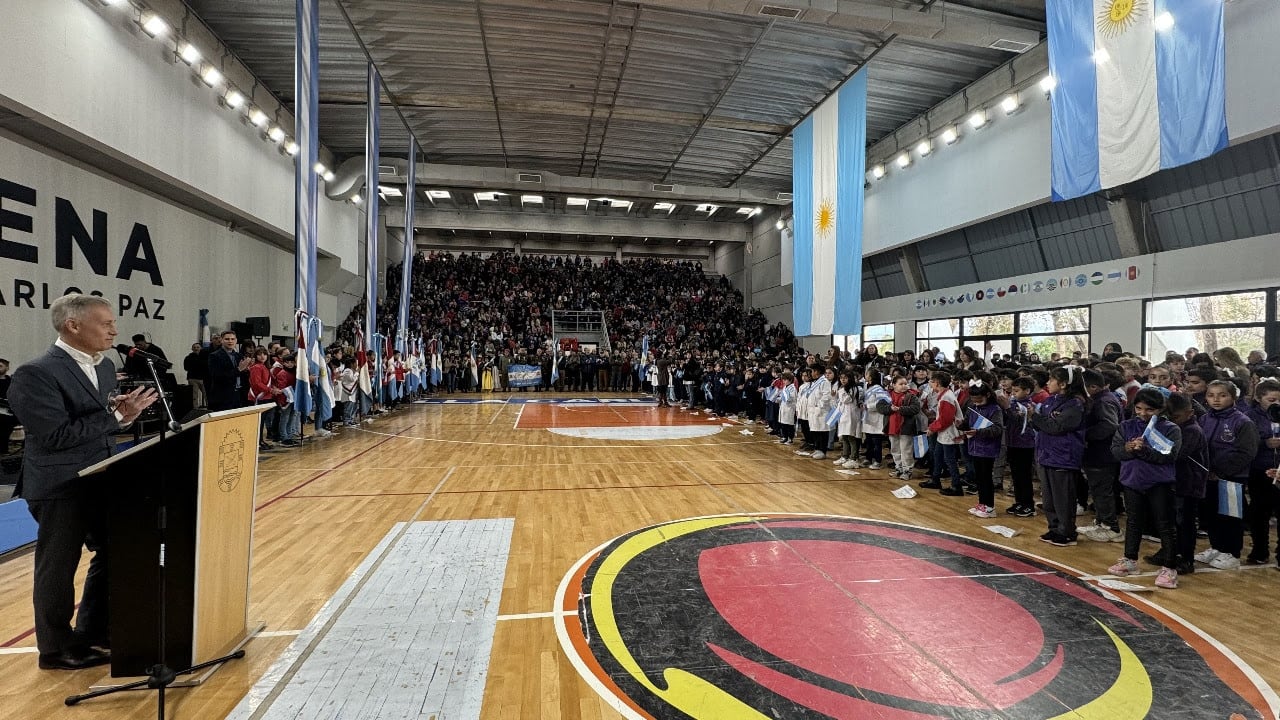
{"type": "Point", "coordinates": [1009, 104]}
{"type": "Point", "coordinates": [1163, 22]}
{"type": "Point", "coordinates": [1048, 83]}
{"type": "Point", "coordinates": [291, 147]}
{"type": "Point", "coordinates": [389, 191]}
{"type": "Point", "coordinates": [576, 202]}
{"type": "Point", "coordinates": [624, 204]}
{"type": "Point", "coordinates": [904, 160]}
{"type": "Point", "coordinates": [154, 25]}
{"type": "Point", "coordinates": [439, 195]}
{"type": "Point", "coordinates": [779, 225]}
{"type": "Point", "coordinates": [745, 211]}
{"type": "Point", "coordinates": [924, 148]}
{"type": "Point", "coordinates": [978, 119]}
{"type": "Point", "coordinates": [877, 172]}
{"type": "Point", "coordinates": [276, 133]}
{"type": "Point", "coordinates": [189, 53]}
{"type": "Point", "coordinates": [319, 168]}
{"type": "Point", "coordinates": [664, 206]}
{"type": "Point", "coordinates": [234, 99]}
{"type": "Point", "coordinates": [531, 199]}
{"type": "Point", "coordinates": [1101, 56]}
{"type": "Point", "coordinates": [950, 135]}
{"type": "Point", "coordinates": [329, 176]}
{"type": "Point", "coordinates": [357, 199]}
{"type": "Point", "coordinates": [707, 208]}
{"type": "Point", "coordinates": [257, 117]}
{"type": "Point", "coordinates": [211, 76]}
{"type": "Point", "coordinates": [488, 196]}
{"type": "Point", "coordinates": [111, 2]}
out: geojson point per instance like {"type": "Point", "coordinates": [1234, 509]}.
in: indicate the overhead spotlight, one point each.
{"type": "Point", "coordinates": [1009, 104]}
{"type": "Point", "coordinates": [745, 211]}
{"type": "Point", "coordinates": [276, 133]}
{"type": "Point", "coordinates": [320, 168]}
{"type": "Point", "coordinates": [779, 224]}
{"type": "Point", "coordinates": [531, 199]}
{"type": "Point", "coordinates": [154, 25]}
{"type": "Point", "coordinates": [1048, 83]}
{"type": "Point", "coordinates": [950, 135]}
{"type": "Point", "coordinates": [329, 176]}
{"type": "Point", "coordinates": [664, 206]}
{"type": "Point", "coordinates": [576, 202]}
{"type": "Point", "coordinates": [291, 147]}
{"type": "Point", "coordinates": [211, 76]}
{"type": "Point", "coordinates": [924, 148]}
{"type": "Point", "coordinates": [1163, 22]}
{"type": "Point", "coordinates": [488, 196]}
{"type": "Point", "coordinates": [439, 195]}
{"type": "Point", "coordinates": [357, 199]}
{"type": "Point", "coordinates": [390, 191]}
{"type": "Point", "coordinates": [904, 160]}
{"type": "Point", "coordinates": [234, 99]}
{"type": "Point", "coordinates": [1101, 56]}
{"type": "Point", "coordinates": [978, 119]}
{"type": "Point", "coordinates": [189, 53]}
{"type": "Point", "coordinates": [257, 117]}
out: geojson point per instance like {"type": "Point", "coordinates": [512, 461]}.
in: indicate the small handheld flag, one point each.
{"type": "Point", "coordinates": [980, 422]}
{"type": "Point", "coordinates": [1156, 439]}
{"type": "Point", "coordinates": [833, 417]}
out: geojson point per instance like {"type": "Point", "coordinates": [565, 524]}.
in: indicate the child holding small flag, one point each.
{"type": "Point", "coordinates": [849, 424]}
{"type": "Point", "coordinates": [983, 428]}
{"type": "Point", "coordinates": [787, 401]}
{"type": "Point", "coordinates": [1233, 444]}
{"type": "Point", "coordinates": [1020, 439]}
{"type": "Point", "coordinates": [1193, 474]}
{"type": "Point", "coordinates": [1262, 491]}
{"type": "Point", "coordinates": [1147, 447]}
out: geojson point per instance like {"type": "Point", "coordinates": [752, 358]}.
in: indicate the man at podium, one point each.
{"type": "Point", "coordinates": [67, 403]}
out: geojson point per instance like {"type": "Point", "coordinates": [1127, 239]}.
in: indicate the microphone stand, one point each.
{"type": "Point", "coordinates": [159, 676]}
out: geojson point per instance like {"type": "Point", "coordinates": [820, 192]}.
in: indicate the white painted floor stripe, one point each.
{"type": "Point", "coordinates": [19, 650]}
{"type": "Point", "coordinates": [538, 615]}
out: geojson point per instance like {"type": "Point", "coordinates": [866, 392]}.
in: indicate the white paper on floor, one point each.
{"type": "Point", "coordinates": [906, 492]}
{"type": "Point", "coordinates": [745, 432]}
{"type": "Point", "coordinates": [1123, 586]}
{"type": "Point", "coordinates": [1002, 530]}
{"type": "Point", "coordinates": [848, 472]}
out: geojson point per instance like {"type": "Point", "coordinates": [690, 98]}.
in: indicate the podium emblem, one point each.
{"type": "Point", "coordinates": [230, 460]}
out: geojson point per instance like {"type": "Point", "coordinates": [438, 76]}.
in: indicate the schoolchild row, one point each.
{"type": "Point", "coordinates": [1179, 448]}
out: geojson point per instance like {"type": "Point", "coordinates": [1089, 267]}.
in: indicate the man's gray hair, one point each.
{"type": "Point", "coordinates": [74, 306]}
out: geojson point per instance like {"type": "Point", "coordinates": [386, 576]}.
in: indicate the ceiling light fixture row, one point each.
{"type": "Point", "coordinates": [1010, 104]}
{"type": "Point", "coordinates": [229, 96]}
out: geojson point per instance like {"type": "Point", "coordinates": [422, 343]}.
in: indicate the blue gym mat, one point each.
{"type": "Point", "coordinates": [17, 528]}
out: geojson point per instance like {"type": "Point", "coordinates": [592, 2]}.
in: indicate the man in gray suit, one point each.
{"type": "Point", "coordinates": [68, 407]}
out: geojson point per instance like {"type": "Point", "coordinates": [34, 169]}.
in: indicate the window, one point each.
{"type": "Point", "coordinates": [1207, 323]}
{"type": "Point", "coordinates": [1062, 331]}
{"type": "Point", "coordinates": [941, 334]}
{"type": "Point", "coordinates": [879, 335]}
{"type": "Point", "coordinates": [848, 343]}
{"type": "Point", "coordinates": [995, 329]}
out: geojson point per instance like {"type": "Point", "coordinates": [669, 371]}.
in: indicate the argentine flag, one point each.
{"type": "Point", "coordinates": [1141, 87]}
{"type": "Point", "coordinates": [980, 421]}
{"type": "Point", "coordinates": [829, 159]}
{"type": "Point", "coordinates": [1155, 439]}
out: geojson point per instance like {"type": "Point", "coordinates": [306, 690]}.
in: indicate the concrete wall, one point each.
{"type": "Point", "coordinates": [764, 259]}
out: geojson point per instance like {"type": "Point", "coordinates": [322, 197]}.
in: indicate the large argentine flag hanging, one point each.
{"type": "Point", "coordinates": [829, 158]}
{"type": "Point", "coordinates": [1140, 88]}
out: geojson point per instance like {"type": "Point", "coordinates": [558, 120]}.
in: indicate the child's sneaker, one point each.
{"type": "Point", "coordinates": [874, 466]}
{"type": "Point", "coordinates": [982, 511]}
{"type": "Point", "coordinates": [840, 461]}
{"type": "Point", "coordinates": [851, 464]}
{"type": "Point", "coordinates": [1123, 567]}
{"type": "Point", "coordinates": [1225, 562]}
{"type": "Point", "coordinates": [1207, 556]}
{"type": "Point", "coordinates": [1167, 578]}
{"type": "Point", "coordinates": [1022, 511]}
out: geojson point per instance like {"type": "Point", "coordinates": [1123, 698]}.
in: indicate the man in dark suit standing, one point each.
{"type": "Point", "coordinates": [67, 404]}
{"type": "Point", "coordinates": [223, 381]}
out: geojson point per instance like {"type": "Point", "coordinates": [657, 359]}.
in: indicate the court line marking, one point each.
{"type": "Point", "coordinates": [519, 414]}
{"type": "Point", "coordinates": [30, 649]}
{"type": "Point", "coordinates": [278, 633]}
{"type": "Point", "coordinates": [538, 615]}
{"type": "Point", "coordinates": [291, 660]}
{"type": "Point", "coordinates": [335, 467]}
{"type": "Point", "coordinates": [614, 446]}
{"type": "Point", "coordinates": [501, 407]}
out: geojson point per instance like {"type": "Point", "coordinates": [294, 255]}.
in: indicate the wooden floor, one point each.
{"type": "Point", "coordinates": [323, 508]}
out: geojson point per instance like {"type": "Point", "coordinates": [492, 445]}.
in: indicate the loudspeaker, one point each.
{"type": "Point", "coordinates": [261, 326]}
{"type": "Point", "coordinates": [244, 331]}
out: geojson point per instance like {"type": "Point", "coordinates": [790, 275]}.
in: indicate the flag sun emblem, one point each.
{"type": "Point", "coordinates": [826, 218]}
{"type": "Point", "coordinates": [1117, 16]}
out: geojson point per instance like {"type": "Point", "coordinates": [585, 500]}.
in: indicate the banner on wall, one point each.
{"type": "Point", "coordinates": [1064, 287]}
{"type": "Point", "coordinates": [524, 375]}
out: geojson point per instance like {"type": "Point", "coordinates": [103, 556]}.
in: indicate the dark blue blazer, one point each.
{"type": "Point", "coordinates": [67, 422]}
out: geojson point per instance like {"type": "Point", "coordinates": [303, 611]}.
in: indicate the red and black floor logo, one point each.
{"type": "Point", "coordinates": [779, 616]}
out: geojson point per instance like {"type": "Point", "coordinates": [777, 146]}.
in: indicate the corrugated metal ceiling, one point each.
{"type": "Point", "coordinates": [597, 88]}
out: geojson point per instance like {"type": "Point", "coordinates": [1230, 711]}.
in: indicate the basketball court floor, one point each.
{"type": "Point", "coordinates": [531, 556]}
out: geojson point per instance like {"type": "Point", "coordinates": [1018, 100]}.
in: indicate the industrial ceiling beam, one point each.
{"type": "Point", "coordinates": [556, 224]}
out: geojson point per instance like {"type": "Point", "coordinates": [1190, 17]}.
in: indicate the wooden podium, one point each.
{"type": "Point", "coordinates": [204, 476]}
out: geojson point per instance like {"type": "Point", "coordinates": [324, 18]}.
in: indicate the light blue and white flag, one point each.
{"type": "Point", "coordinates": [980, 421]}
{"type": "Point", "coordinates": [372, 143]}
{"type": "Point", "coordinates": [829, 160]}
{"type": "Point", "coordinates": [834, 415]}
{"type": "Point", "coordinates": [1141, 87]}
{"type": "Point", "coordinates": [1155, 439]}
{"type": "Point", "coordinates": [1231, 498]}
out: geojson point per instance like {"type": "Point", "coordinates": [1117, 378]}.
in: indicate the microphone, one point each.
{"type": "Point", "coordinates": [134, 352]}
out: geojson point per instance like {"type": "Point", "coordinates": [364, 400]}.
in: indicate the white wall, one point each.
{"type": "Point", "coordinates": [1005, 166]}
{"type": "Point", "coordinates": [201, 263]}
{"type": "Point", "coordinates": [1117, 304]}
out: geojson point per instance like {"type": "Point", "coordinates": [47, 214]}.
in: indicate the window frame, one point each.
{"type": "Point", "coordinates": [1270, 323]}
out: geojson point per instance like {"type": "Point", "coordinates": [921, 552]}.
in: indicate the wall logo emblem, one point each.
{"type": "Point", "coordinates": [1096, 278]}
{"type": "Point", "coordinates": [785, 616]}
{"type": "Point", "coordinates": [1081, 280]}
{"type": "Point", "coordinates": [230, 460]}
{"type": "Point", "coordinates": [1051, 284]}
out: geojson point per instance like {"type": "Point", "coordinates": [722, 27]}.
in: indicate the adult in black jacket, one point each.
{"type": "Point", "coordinates": [693, 380]}
{"type": "Point", "coordinates": [225, 365]}
{"type": "Point", "coordinates": [68, 407]}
